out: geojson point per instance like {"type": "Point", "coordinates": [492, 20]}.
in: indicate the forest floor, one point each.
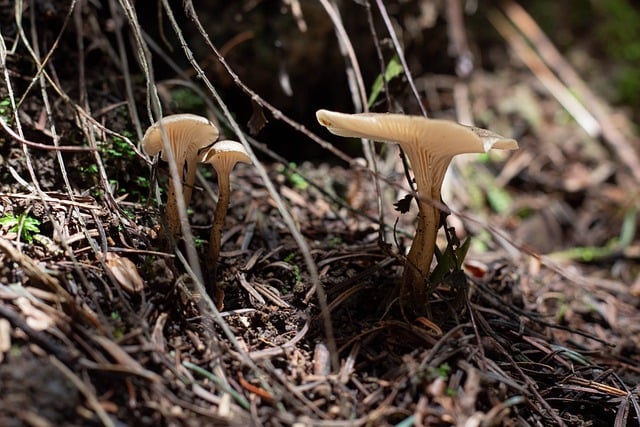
{"type": "Point", "coordinates": [101, 324]}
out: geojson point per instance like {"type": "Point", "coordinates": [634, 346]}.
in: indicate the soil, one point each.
{"type": "Point", "coordinates": [105, 319]}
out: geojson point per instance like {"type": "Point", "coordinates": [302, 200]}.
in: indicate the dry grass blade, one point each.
{"type": "Point", "coordinates": [88, 394]}
{"type": "Point", "coordinates": [528, 55]}
{"type": "Point", "coordinates": [617, 134]}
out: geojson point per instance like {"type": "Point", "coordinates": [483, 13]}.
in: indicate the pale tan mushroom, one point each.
{"type": "Point", "coordinates": [429, 145]}
{"type": "Point", "coordinates": [223, 156]}
{"type": "Point", "coordinates": [186, 134]}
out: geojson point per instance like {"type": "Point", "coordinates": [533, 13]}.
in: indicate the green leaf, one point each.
{"type": "Point", "coordinates": [25, 223]}
{"type": "Point", "coordinates": [9, 221]}
{"type": "Point", "coordinates": [610, 249]}
{"type": "Point", "coordinates": [393, 69]}
{"type": "Point", "coordinates": [450, 260]}
{"type": "Point", "coordinates": [499, 199]}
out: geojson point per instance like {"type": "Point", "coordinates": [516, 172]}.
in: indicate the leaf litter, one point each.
{"type": "Point", "coordinates": [541, 329]}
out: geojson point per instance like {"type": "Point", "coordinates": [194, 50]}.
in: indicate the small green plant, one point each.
{"type": "Point", "coordinates": [441, 371]}
{"type": "Point", "coordinates": [393, 70]}
{"type": "Point", "coordinates": [90, 170]}
{"type": "Point", "coordinates": [23, 223]}
{"type": "Point", "coordinates": [118, 330]}
{"type": "Point", "coordinates": [142, 181]}
{"type": "Point", "coordinates": [199, 242]}
{"type": "Point", "coordinates": [296, 273]}
{"type": "Point", "coordinates": [297, 180]}
{"type": "Point", "coordinates": [451, 259]}
{"type": "Point", "coordinates": [5, 109]}
{"type": "Point", "coordinates": [335, 241]}
{"type": "Point", "coordinates": [296, 268]}
{"type": "Point", "coordinates": [118, 148]}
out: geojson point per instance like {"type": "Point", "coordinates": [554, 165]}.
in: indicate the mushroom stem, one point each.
{"type": "Point", "coordinates": [418, 262]}
{"type": "Point", "coordinates": [179, 136]}
{"type": "Point", "coordinates": [224, 190]}
{"type": "Point", "coordinates": [187, 181]}
{"type": "Point", "coordinates": [171, 210]}
{"type": "Point", "coordinates": [223, 156]}
{"type": "Point", "coordinates": [190, 179]}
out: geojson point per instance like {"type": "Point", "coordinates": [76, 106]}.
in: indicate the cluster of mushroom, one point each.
{"type": "Point", "coordinates": [429, 145]}
{"type": "Point", "coordinates": [185, 138]}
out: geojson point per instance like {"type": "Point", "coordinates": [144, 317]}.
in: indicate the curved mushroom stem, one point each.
{"type": "Point", "coordinates": [224, 190]}
{"type": "Point", "coordinates": [418, 264]}
{"type": "Point", "coordinates": [416, 270]}
{"type": "Point", "coordinates": [190, 179]}
{"type": "Point", "coordinates": [171, 209]}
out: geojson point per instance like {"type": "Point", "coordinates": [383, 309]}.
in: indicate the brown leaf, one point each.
{"type": "Point", "coordinates": [125, 273]}
{"type": "Point", "coordinates": [257, 120]}
{"type": "Point", "coordinates": [403, 205]}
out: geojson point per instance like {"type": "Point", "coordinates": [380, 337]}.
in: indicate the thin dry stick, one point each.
{"type": "Point", "coordinates": [89, 395]}
{"type": "Point", "coordinates": [408, 75]}
{"type": "Point", "coordinates": [354, 75]}
{"type": "Point", "coordinates": [286, 216]}
{"type": "Point", "coordinates": [85, 107]}
{"type": "Point", "coordinates": [18, 10]}
{"type": "Point", "coordinates": [212, 309]}
{"type": "Point", "coordinates": [358, 95]}
{"type": "Point", "coordinates": [564, 96]}
{"type": "Point", "coordinates": [52, 129]}
{"type": "Point", "coordinates": [387, 96]}
{"type": "Point", "coordinates": [400, 53]}
{"type": "Point", "coordinates": [41, 75]}
{"type": "Point", "coordinates": [39, 146]}
{"type": "Point", "coordinates": [550, 55]}
{"type": "Point", "coordinates": [356, 83]}
{"type": "Point", "coordinates": [124, 64]}
{"type": "Point", "coordinates": [155, 110]}
{"type": "Point", "coordinates": [458, 38]}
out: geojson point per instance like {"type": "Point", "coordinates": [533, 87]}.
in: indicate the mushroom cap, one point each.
{"type": "Point", "coordinates": [439, 137]}
{"type": "Point", "coordinates": [224, 155]}
{"type": "Point", "coordinates": [187, 133]}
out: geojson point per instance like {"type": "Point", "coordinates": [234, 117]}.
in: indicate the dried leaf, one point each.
{"type": "Point", "coordinates": [125, 272]}
{"type": "Point", "coordinates": [403, 205]}
{"type": "Point", "coordinates": [257, 120]}
{"type": "Point", "coordinates": [37, 319]}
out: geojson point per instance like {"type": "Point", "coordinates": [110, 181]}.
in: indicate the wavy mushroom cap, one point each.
{"type": "Point", "coordinates": [430, 145]}
{"type": "Point", "coordinates": [439, 137]}
{"type": "Point", "coordinates": [187, 133]}
{"type": "Point", "coordinates": [223, 156]}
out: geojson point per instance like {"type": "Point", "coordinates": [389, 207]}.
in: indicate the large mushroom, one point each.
{"type": "Point", "coordinates": [186, 135]}
{"type": "Point", "coordinates": [223, 156]}
{"type": "Point", "coordinates": [429, 145]}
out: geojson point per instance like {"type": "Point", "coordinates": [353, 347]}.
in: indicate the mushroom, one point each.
{"type": "Point", "coordinates": [223, 156]}
{"type": "Point", "coordinates": [429, 145]}
{"type": "Point", "coordinates": [186, 134]}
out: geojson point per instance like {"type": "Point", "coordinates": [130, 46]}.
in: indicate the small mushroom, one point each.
{"type": "Point", "coordinates": [429, 145]}
{"type": "Point", "coordinates": [223, 156]}
{"type": "Point", "coordinates": [186, 134]}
